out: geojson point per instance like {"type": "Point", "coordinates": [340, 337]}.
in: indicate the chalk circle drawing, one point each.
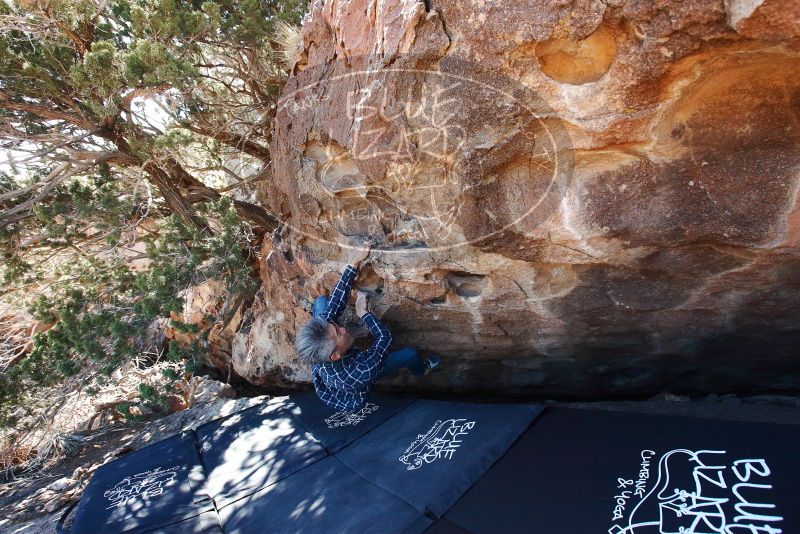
{"type": "Point", "coordinates": [141, 486]}
{"type": "Point", "coordinates": [351, 418]}
{"type": "Point", "coordinates": [441, 441]}
{"type": "Point", "coordinates": [692, 495]}
{"type": "Point", "coordinates": [408, 160]}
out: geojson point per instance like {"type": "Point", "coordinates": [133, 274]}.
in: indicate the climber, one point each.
{"type": "Point", "coordinates": [343, 375]}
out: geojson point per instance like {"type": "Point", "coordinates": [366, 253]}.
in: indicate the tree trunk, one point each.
{"type": "Point", "coordinates": [246, 210]}
{"type": "Point", "coordinates": [172, 195]}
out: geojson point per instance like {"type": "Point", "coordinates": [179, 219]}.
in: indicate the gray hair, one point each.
{"type": "Point", "coordinates": [313, 343]}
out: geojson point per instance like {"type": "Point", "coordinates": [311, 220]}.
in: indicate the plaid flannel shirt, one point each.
{"type": "Point", "coordinates": [343, 385]}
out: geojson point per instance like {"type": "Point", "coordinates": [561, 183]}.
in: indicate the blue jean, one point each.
{"type": "Point", "coordinates": [320, 303]}
{"type": "Point", "coordinates": [408, 357]}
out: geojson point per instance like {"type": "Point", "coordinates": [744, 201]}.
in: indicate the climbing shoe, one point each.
{"type": "Point", "coordinates": [432, 363]}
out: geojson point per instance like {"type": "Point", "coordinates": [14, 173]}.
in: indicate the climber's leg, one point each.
{"type": "Point", "coordinates": [408, 358]}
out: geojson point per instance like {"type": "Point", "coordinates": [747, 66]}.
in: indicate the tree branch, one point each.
{"type": "Point", "coordinates": [236, 141]}
{"type": "Point", "coordinates": [43, 112]}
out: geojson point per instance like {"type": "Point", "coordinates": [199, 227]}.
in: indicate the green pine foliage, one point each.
{"type": "Point", "coordinates": [71, 71]}
{"type": "Point", "coordinates": [100, 314]}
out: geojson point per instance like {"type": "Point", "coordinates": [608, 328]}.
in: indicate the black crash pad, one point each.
{"type": "Point", "coordinates": [443, 526]}
{"type": "Point", "coordinates": [581, 471]}
{"type": "Point", "coordinates": [290, 465]}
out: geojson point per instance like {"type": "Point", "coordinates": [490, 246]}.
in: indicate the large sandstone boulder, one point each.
{"type": "Point", "coordinates": [575, 198]}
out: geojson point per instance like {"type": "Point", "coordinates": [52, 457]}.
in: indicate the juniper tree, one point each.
{"type": "Point", "coordinates": [123, 122]}
{"type": "Point", "coordinates": [74, 70]}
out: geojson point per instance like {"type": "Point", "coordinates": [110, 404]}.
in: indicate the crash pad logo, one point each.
{"type": "Point", "coordinates": [352, 418]}
{"type": "Point", "coordinates": [441, 441]}
{"type": "Point", "coordinates": [141, 485]}
{"type": "Point", "coordinates": [696, 492]}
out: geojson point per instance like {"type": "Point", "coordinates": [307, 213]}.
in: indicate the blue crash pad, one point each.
{"type": "Point", "coordinates": [325, 497]}
{"type": "Point", "coordinates": [148, 489]}
{"type": "Point", "coordinates": [336, 430]}
{"type": "Point", "coordinates": [392, 466]}
{"type": "Point", "coordinates": [254, 448]}
{"type": "Point", "coordinates": [433, 451]}
{"type": "Point", "coordinates": [205, 523]}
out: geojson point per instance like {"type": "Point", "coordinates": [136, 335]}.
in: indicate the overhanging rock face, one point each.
{"type": "Point", "coordinates": [574, 199]}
